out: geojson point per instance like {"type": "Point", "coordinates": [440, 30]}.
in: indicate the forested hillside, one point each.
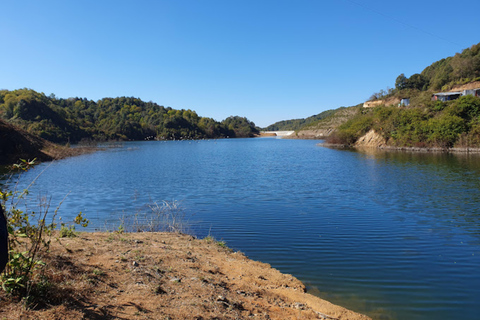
{"type": "Point", "coordinates": [296, 124]}
{"type": "Point", "coordinates": [441, 75]}
{"type": "Point", "coordinates": [438, 124]}
{"type": "Point", "coordinates": [124, 118]}
{"type": "Point", "coordinates": [425, 122]}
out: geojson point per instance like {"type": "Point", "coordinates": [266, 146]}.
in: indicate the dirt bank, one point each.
{"type": "Point", "coordinates": [470, 85]}
{"type": "Point", "coordinates": [165, 276]}
{"type": "Point", "coordinates": [373, 140]}
{"type": "Point", "coordinates": [16, 144]}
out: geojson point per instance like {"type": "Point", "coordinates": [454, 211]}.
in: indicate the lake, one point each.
{"type": "Point", "coordinates": [391, 235]}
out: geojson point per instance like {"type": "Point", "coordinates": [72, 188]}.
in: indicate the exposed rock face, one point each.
{"type": "Point", "coordinates": [3, 240]}
{"type": "Point", "coordinates": [371, 139]}
{"type": "Point", "coordinates": [468, 86]}
{"type": "Point", "coordinates": [371, 104]}
{"type": "Point", "coordinates": [375, 103]}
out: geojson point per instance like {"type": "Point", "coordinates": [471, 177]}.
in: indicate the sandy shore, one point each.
{"type": "Point", "coordinates": [164, 276]}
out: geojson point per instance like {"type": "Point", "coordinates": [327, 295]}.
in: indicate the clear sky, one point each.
{"type": "Point", "coordinates": [267, 60]}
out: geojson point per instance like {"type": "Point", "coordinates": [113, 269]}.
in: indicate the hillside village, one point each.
{"type": "Point", "coordinates": [438, 108]}
{"type": "Point", "coordinates": [472, 89]}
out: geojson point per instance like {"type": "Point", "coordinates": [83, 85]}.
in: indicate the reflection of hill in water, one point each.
{"type": "Point", "coordinates": [446, 184]}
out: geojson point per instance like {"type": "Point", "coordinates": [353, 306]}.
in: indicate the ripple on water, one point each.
{"type": "Point", "coordinates": [393, 235]}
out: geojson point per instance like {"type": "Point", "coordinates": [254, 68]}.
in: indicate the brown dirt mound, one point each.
{"type": "Point", "coordinates": [165, 276]}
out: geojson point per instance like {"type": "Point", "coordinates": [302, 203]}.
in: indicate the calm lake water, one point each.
{"type": "Point", "coordinates": [390, 235]}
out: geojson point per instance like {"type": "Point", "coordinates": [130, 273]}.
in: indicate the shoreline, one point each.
{"type": "Point", "coordinates": [403, 149]}
{"type": "Point", "coordinates": [166, 275]}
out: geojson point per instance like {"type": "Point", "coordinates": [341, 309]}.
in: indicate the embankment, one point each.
{"type": "Point", "coordinates": [16, 144]}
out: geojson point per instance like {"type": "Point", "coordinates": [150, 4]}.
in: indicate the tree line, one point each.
{"type": "Point", "coordinates": [441, 75]}
{"type": "Point", "coordinates": [124, 118]}
{"type": "Point", "coordinates": [424, 123]}
{"type": "Point", "coordinates": [296, 124]}
{"type": "Point", "coordinates": [437, 124]}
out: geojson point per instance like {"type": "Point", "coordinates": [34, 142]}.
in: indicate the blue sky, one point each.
{"type": "Point", "coordinates": [265, 60]}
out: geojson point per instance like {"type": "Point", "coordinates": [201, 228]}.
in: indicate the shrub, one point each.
{"type": "Point", "coordinates": [350, 131]}
{"type": "Point", "coordinates": [30, 235]}
{"type": "Point", "coordinates": [445, 130]}
{"type": "Point", "coordinates": [465, 107]}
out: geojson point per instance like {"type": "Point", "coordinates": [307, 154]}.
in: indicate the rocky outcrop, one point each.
{"type": "Point", "coordinates": [387, 102]}
{"type": "Point", "coordinates": [371, 139]}
{"type": "Point", "coordinates": [467, 86]}
{"type": "Point", "coordinates": [374, 103]}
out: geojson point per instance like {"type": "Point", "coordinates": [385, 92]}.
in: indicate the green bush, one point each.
{"type": "Point", "coordinates": [445, 130]}
{"type": "Point", "coordinates": [350, 131]}
{"type": "Point", "coordinates": [466, 107]}
{"type": "Point", "coordinates": [30, 234]}
{"type": "Point", "coordinates": [437, 124]}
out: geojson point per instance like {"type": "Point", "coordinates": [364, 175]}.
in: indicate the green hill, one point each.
{"type": "Point", "coordinates": [124, 118]}
{"type": "Point", "coordinates": [295, 124]}
{"type": "Point", "coordinates": [425, 122]}
{"type": "Point", "coordinates": [442, 75]}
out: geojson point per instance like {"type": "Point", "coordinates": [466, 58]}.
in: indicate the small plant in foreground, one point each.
{"type": "Point", "coordinates": [97, 272]}
{"type": "Point", "coordinates": [30, 235]}
{"type": "Point", "coordinates": [220, 243]}
{"type": "Point", "coordinates": [121, 229]}
{"type": "Point", "coordinates": [68, 231]}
